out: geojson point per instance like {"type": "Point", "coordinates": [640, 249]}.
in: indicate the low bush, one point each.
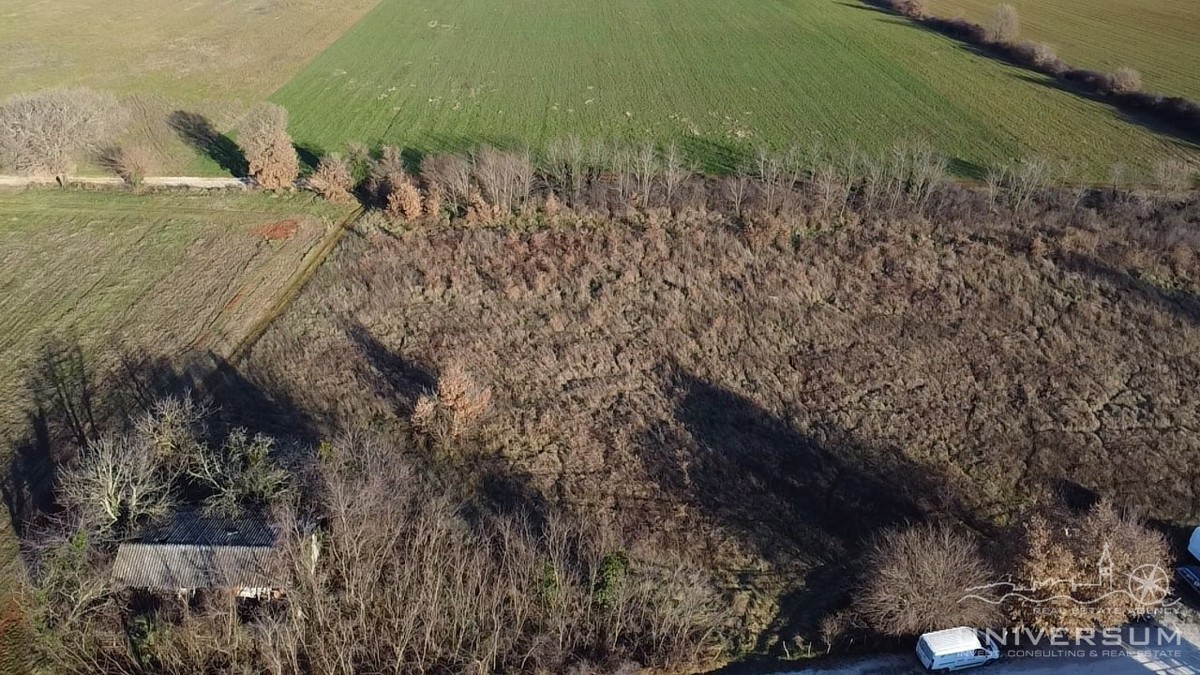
{"type": "Point", "coordinates": [132, 163]}
{"type": "Point", "coordinates": [1126, 81]}
{"type": "Point", "coordinates": [917, 579]}
{"type": "Point", "coordinates": [333, 180]}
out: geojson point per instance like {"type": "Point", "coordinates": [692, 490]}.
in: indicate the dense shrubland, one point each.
{"type": "Point", "coordinates": [414, 574]}
{"type": "Point", "coordinates": [766, 370]}
{"type": "Point", "coordinates": [929, 577]}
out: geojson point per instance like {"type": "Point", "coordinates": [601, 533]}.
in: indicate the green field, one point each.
{"type": "Point", "coordinates": [1158, 38]}
{"type": "Point", "coordinates": [711, 75]}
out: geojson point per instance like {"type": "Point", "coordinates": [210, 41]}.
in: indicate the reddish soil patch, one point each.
{"type": "Point", "coordinates": [284, 229]}
{"type": "Point", "coordinates": [236, 300]}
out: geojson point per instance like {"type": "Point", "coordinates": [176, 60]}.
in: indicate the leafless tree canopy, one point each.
{"type": "Point", "coordinates": [408, 577]}
{"type": "Point", "coordinates": [47, 132]}
{"type": "Point", "coordinates": [916, 581]}
{"type": "Point", "coordinates": [1004, 24]}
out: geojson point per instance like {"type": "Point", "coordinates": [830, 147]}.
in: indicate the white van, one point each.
{"type": "Point", "coordinates": [1194, 544]}
{"type": "Point", "coordinates": [955, 649]}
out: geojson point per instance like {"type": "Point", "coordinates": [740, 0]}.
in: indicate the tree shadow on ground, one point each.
{"type": "Point", "coordinates": [807, 502]}
{"type": "Point", "coordinates": [198, 132]}
{"type": "Point", "coordinates": [310, 158]}
{"type": "Point", "coordinates": [70, 404]}
{"type": "Point", "coordinates": [394, 378]}
{"type": "Point", "coordinates": [1181, 136]}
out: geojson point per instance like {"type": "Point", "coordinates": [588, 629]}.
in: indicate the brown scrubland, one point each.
{"type": "Point", "coordinates": [861, 349]}
{"type": "Point", "coordinates": [729, 395]}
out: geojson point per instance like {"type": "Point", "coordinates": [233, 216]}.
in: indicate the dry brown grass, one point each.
{"type": "Point", "coordinates": [767, 405]}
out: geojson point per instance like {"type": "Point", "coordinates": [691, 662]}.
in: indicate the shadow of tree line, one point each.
{"type": "Point", "coordinates": [70, 404]}
{"type": "Point", "coordinates": [810, 501]}
{"type": "Point", "coordinates": [1165, 115]}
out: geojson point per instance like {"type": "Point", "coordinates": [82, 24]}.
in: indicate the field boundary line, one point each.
{"type": "Point", "coordinates": [308, 268]}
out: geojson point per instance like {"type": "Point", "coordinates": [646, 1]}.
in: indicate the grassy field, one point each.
{"type": "Point", "coordinates": [214, 57]}
{"type": "Point", "coordinates": [171, 271]}
{"type": "Point", "coordinates": [1158, 38]}
{"type": "Point", "coordinates": [711, 75]}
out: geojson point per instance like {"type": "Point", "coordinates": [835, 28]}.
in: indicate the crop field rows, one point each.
{"type": "Point", "coordinates": [1158, 38]}
{"type": "Point", "coordinates": [714, 77]}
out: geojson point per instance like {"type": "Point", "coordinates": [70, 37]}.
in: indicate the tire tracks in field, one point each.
{"type": "Point", "coordinates": [290, 292]}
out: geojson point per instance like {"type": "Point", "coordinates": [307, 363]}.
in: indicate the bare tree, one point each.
{"type": "Point", "coordinates": [505, 177]}
{"type": "Point", "coordinates": [242, 473]}
{"type": "Point", "coordinates": [675, 171]}
{"type": "Point", "coordinates": [46, 133]}
{"type": "Point", "coordinates": [644, 162]}
{"type": "Point", "coordinates": [453, 174]}
{"type": "Point", "coordinates": [269, 152]}
{"type": "Point", "coordinates": [916, 581]}
{"type": "Point", "coordinates": [738, 187]}
{"type": "Point", "coordinates": [1004, 26]}
{"type": "Point", "coordinates": [116, 481]}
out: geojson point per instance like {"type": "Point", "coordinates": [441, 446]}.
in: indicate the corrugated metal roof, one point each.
{"type": "Point", "coordinates": [194, 527]}
{"type": "Point", "coordinates": [192, 550]}
{"type": "Point", "coordinates": [175, 566]}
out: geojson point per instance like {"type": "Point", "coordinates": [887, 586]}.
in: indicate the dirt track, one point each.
{"type": "Point", "coordinates": [150, 181]}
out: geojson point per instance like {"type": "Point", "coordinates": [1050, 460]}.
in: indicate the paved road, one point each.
{"type": "Point", "coordinates": [1181, 657]}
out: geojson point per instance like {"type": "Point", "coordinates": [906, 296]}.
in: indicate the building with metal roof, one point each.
{"type": "Point", "coordinates": [193, 551]}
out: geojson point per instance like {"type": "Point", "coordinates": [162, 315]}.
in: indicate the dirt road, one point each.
{"type": "Point", "coordinates": [110, 181]}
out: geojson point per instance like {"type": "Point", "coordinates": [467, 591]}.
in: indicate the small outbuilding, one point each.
{"type": "Point", "coordinates": [193, 551]}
